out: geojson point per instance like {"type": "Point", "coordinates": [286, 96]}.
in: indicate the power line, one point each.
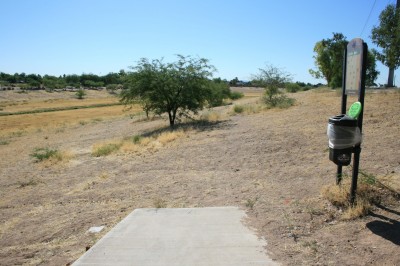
{"type": "Point", "coordinates": [365, 24]}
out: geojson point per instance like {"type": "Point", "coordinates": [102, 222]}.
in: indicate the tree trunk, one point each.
{"type": "Point", "coordinates": [391, 77]}
{"type": "Point", "coordinates": [172, 116]}
{"type": "Point", "coordinates": [171, 119]}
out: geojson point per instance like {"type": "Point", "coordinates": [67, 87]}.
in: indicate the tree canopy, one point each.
{"type": "Point", "coordinates": [387, 37]}
{"type": "Point", "coordinates": [329, 61]}
{"type": "Point", "coordinates": [174, 88]}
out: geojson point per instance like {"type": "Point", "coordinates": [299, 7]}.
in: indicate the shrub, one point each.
{"type": "Point", "coordinates": [112, 88]}
{"type": "Point", "coordinates": [235, 95]}
{"type": "Point", "coordinates": [292, 87]}
{"type": "Point", "coordinates": [137, 139]}
{"type": "Point", "coordinates": [273, 97]}
{"type": "Point", "coordinates": [306, 88]}
{"type": "Point", "coordinates": [238, 109]}
{"type": "Point", "coordinates": [219, 92]}
{"type": "Point", "coordinates": [285, 102]}
{"type": "Point", "coordinates": [42, 154]}
{"type": "Point", "coordinates": [4, 142]}
{"type": "Point", "coordinates": [80, 94]}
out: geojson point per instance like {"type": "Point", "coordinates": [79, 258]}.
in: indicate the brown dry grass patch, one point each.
{"type": "Point", "coordinates": [139, 144]}
{"type": "Point", "coordinates": [54, 103]}
{"type": "Point", "coordinates": [54, 120]}
{"type": "Point", "coordinates": [370, 191]}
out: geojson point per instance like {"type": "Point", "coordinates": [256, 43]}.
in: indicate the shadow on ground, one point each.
{"type": "Point", "coordinates": [386, 227]}
{"type": "Point", "coordinates": [197, 125]}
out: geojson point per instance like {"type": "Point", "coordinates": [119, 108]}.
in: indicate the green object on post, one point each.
{"type": "Point", "coordinates": [355, 110]}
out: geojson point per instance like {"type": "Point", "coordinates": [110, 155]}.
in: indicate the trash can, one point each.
{"type": "Point", "coordinates": [343, 134]}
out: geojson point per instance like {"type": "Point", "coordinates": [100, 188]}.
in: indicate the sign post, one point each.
{"type": "Point", "coordinates": [354, 72]}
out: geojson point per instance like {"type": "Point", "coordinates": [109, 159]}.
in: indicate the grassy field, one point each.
{"type": "Point", "coordinates": [66, 171]}
{"type": "Point", "coordinates": [43, 116]}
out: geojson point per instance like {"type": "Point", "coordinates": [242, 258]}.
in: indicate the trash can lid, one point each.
{"type": "Point", "coordinates": [355, 110]}
{"type": "Point", "coordinates": [343, 120]}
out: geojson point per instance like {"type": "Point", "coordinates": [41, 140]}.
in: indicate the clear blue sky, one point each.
{"type": "Point", "coordinates": [97, 36]}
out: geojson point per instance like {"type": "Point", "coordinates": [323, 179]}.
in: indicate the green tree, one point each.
{"type": "Point", "coordinates": [52, 82]}
{"type": "Point", "coordinates": [174, 88]}
{"type": "Point", "coordinates": [372, 73]}
{"type": "Point", "coordinates": [80, 94]}
{"type": "Point", "coordinates": [234, 82]}
{"type": "Point", "coordinates": [329, 59]}
{"type": "Point", "coordinates": [387, 37]}
{"type": "Point", "coordinates": [292, 87]}
{"type": "Point", "coordinates": [111, 78]}
{"type": "Point", "coordinates": [273, 79]}
{"type": "Point", "coordinates": [72, 80]}
{"type": "Point", "coordinates": [219, 91]}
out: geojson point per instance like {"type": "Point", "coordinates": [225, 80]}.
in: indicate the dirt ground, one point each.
{"type": "Point", "coordinates": [272, 163]}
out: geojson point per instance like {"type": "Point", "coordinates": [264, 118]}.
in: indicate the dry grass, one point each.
{"type": "Point", "coordinates": [370, 191]}
{"type": "Point", "coordinates": [248, 108]}
{"type": "Point", "coordinates": [159, 203]}
{"type": "Point", "coordinates": [104, 149]}
{"type": "Point", "coordinates": [54, 120]}
{"type": "Point", "coordinates": [48, 157]}
{"type": "Point", "coordinates": [219, 166]}
{"type": "Point", "coordinates": [138, 144]}
{"type": "Point", "coordinates": [360, 209]}
{"type": "Point", "coordinates": [55, 103]}
{"type": "Point", "coordinates": [212, 116]}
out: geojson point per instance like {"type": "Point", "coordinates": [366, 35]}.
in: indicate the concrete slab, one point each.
{"type": "Point", "coordinates": [185, 236]}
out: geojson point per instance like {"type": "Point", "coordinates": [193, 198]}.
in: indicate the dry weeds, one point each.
{"type": "Point", "coordinates": [272, 163]}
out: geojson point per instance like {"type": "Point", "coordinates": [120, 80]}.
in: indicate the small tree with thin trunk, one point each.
{"type": "Point", "coordinates": [174, 88]}
{"type": "Point", "coordinates": [273, 79]}
{"type": "Point", "coordinates": [80, 94]}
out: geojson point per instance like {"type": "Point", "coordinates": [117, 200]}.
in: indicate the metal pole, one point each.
{"type": "Point", "coordinates": [339, 174]}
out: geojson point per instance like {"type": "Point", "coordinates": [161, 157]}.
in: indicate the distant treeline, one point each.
{"type": "Point", "coordinates": [34, 81]}
{"type": "Point", "coordinates": [255, 83]}
{"type": "Point", "coordinates": [111, 81]}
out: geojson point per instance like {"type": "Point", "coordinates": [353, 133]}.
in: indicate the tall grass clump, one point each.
{"type": "Point", "coordinates": [4, 142]}
{"type": "Point", "coordinates": [370, 192]}
{"type": "Point", "coordinates": [248, 108]}
{"type": "Point", "coordinates": [152, 142]}
{"type": "Point", "coordinates": [238, 109]}
{"type": "Point", "coordinates": [50, 156]}
{"type": "Point", "coordinates": [41, 154]}
{"type": "Point", "coordinates": [105, 149]}
{"type": "Point", "coordinates": [137, 139]}
{"type": "Point", "coordinates": [211, 116]}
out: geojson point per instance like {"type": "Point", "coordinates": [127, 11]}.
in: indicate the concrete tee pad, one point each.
{"type": "Point", "coordinates": [185, 236]}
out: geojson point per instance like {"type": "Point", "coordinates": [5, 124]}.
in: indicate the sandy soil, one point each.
{"type": "Point", "coordinates": [272, 163]}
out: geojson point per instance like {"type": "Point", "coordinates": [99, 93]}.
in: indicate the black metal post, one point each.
{"type": "Point", "coordinates": [339, 174]}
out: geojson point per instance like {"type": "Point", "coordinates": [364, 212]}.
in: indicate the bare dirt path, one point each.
{"type": "Point", "coordinates": [273, 164]}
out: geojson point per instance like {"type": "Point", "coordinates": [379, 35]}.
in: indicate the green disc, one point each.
{"type": "Point", "coordinates": [355, 110]}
